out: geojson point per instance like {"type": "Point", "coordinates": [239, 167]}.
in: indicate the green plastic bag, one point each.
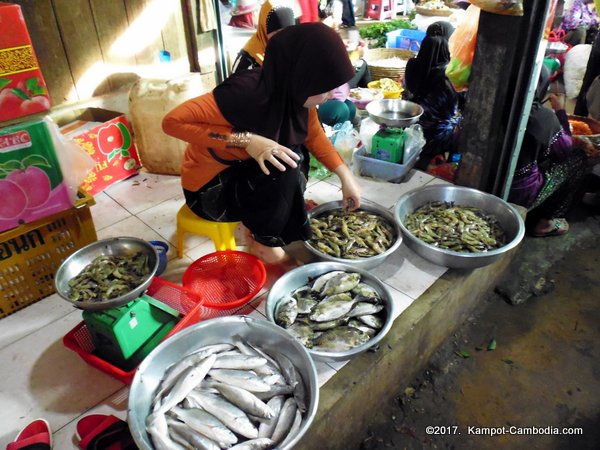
{"type": "Point", "coordinates": [317, 170]}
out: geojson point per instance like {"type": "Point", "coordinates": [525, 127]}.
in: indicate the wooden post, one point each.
{"type": "Point", "coordinates": [501, 73]}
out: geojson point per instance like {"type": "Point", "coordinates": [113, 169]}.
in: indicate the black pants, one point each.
{"type": "Point", "coordinates": [270, 206]}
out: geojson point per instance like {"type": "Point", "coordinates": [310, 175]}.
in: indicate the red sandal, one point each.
{"type": "Point", "coordinates": [104, 432]}
{"type": "Point", "coordinates": [35, 436]}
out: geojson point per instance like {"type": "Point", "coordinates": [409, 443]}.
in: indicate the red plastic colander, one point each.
{"type": "Point", "coordinates": [226, 279]}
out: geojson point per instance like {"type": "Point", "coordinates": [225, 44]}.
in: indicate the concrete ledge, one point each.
{"type": "Point", "coordinates": [352, 397]}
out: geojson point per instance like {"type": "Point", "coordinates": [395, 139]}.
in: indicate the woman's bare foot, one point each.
{"type": "Point", "coordinates": [551, 227]}
{"type": "Point", "coordinates": [268, 255]}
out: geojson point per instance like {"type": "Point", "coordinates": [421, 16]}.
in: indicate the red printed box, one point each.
{"type": "Point", "coordinates": [106, 136]}
{"type": "Point", "coordinates": [22, 87]}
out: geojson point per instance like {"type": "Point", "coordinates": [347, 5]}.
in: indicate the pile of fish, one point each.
{"type": "Point", "coordinates": [334, 313]}
{"type": "Point", "coordinates": [458, 228]}
{"type": "Point", "coordinates": [234, 396]}
{"type": "Point", "coordinates": [351, 235]}
{"type": "Point", "coordinates": [109, 277]}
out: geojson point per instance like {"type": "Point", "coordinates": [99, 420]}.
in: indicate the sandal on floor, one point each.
{"type": "Point", "coordinates": [104, 432]}
{"type": "Point", "coordinates": [35, 436]}
{"type": "Point", "coordinates": [560, 227]}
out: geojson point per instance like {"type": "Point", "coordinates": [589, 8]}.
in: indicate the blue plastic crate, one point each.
{"type": "Point", "coordinates": [367, 166]}
{"type": "Point", "coordinates": [406, 39]}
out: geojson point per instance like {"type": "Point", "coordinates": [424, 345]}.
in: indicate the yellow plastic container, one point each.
{"type": "Point", "coordinates": [31, 254]}
{"type": "Point", "coordinates": [389, 87]}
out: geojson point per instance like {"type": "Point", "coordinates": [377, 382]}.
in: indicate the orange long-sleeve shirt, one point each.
{"type": "Point", "coordinates": [200, 123]}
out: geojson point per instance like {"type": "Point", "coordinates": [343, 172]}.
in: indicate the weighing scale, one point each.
{"type": "Point", "coordinates": [124, 335]}
{"type": "Point", "coordinates": [387, 144]}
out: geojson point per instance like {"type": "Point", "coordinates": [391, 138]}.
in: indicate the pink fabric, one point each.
{"type": "Point", "coordinates": [310, 11]}
{"type": "Point", "coordinates": [341, 93]}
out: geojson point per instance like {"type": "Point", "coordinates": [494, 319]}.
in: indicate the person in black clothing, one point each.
{"type": "Point", "coordinates": [426, 82]}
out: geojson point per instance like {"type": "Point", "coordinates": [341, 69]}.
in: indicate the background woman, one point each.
{"type": "Point", "coordinates": [427, 84]}
{"type": "Point", "coordinates": [270, 20]}
{"type": "Point", "coordinates": [550, 171]}
{"type": "Point", "coordinates": [246, 139]}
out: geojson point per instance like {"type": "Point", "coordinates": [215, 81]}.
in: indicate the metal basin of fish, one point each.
{"type": "Point", "coordinates": [509, 220]}
{"type": "Point", "coordinates": [303, 275]}
{"type": "Point", "coordinates": [394, 112]}
{"type": "Point", "coordinates": [223, 330]}
{"type": "Point", "coordinates": [116, 247]}
{"type": "Point", "coordinates": [363, 263]}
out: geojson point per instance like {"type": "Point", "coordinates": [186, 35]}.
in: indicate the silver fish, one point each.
{"type": "Point", "coordinates": [157, 428]}
{"type": "Point", "coordinates": [245, 400]}
{"type": "Point", "coordinates": [332, 307]}
{"type": "Point", "coordinates": [303, 333]}
{"type": "Point", "coordinates": [176, 369]}
{"type": "Point", "coordinates": [255, 444]}
{"type": "Point", "coordinates": [366, 293]}
{"type": "Point", "coordinates": [320, 282]}
{"type": "Point", "coordinates": [206, 424]}
{"type": "Point", "coordinates": [364, 308]}
{"type": "Point", "coordinates": [186, 383]}
{"type": "Point", "coordinates": [343, 282]}
{"type": "Point", "coordinates": [232, 416]}
{"type": "Point", "coordinates": [276, 389]}
{"type": "Point", "coordinates": [265, 429]}
{"type": "Point", "coordinates": [240, 378]}
{"type": "Point", "coordinates": [191, 437]}
{"type": "Point", "coordinates": [371, 321]}
{"type": "Point", "coordinates": [324, 326]}
{"type": "Point", "coordinates": [306, 304]}
{"type": "Point", "coordinates": [294, 379]}
{"type": "Point", "coordinates": [340, 339]}
{"type": "Point", "coordinates": [286, 311]}
{"type": "Point", "coordinates": [294, 429]}
{"type": "Point", "coordinates": [362, 327]}
{"type": "Point", "coordinates": [238, 361]}
{"type": "Point", "coordinates": [285, 421]}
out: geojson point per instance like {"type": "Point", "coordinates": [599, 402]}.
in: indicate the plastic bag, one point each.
{"type": "Point", "coordinates": [317, 170]}
{"type": "Point", "coordinates": [75, 163]}
{"type": "Point", "coordinates": [504, 7]}
{"type": "Point", "coordinates": [345, 139]}
{"type": "Point", "coordinates": [462, 48]}
{"type": "Point", "coordinates": [414, 143]}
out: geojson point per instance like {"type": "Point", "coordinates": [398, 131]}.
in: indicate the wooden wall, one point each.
{"type": "Point", "coordinates": [74, 41]}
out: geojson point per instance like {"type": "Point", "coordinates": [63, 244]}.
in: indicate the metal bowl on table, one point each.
{"type": "Point", "coordinates": [265, 335]}
{"type": "Point", "coordinates": [508, 218]}
{"type": "Point", "coordinates": [304, 275]}
{"type": "Point", "coordinates": [363, 263]}
{"type": "Point", "coordinates": [119, 246]}
{"type": "Point", "coordinates": [394, 112]}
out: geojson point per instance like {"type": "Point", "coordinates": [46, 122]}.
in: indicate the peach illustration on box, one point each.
{"type": "Point", "coordinates": [31, 182]}
{"type": "Point", "coordinates": [27, 96]}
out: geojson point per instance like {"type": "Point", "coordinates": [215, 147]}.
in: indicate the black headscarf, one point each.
{"type": "Point", "coordinates": [428, 67]}
{"type": "Point", "coordinates": [300, 61]}
{"type": "Point", "coordinates": [440, 28]}
{"type": "Point", "coordinates": [542, 124]}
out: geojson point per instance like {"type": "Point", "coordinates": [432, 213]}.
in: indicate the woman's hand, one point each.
{"type": "Point", "coordinates": [350, 188]}
{"type": "Point", "coordinates": [557, 102]}
{"type": "Point", "coordinates": [263, 149]}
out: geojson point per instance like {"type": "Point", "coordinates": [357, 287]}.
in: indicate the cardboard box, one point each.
{"type": "Point", "coordinates": [106, 136]}
{"type": "Point", "coordinates": [22, 87]}
{"type": "Point", "coordinates": [31, 182]}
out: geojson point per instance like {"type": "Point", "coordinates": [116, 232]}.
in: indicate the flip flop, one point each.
{"type": "Point", "coordinates": [560, 227]}
{"type": "Point", "coordinates": [104, 432]}
{"type": "Point", "coordinates": [35, 436]}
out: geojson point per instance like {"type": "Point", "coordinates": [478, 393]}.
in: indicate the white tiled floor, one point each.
{"type": "Point", "coordinates": [41, 378]}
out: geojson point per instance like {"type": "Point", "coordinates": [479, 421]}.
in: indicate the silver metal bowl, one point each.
{"type": "Point", "coordinates": [302, 275]}
{"type": "Point", "coordinates": [119, 246]}
{"type": "Point", "coordinates": [363, 263]}
{"type": "Point", "coordinates": [394, 112]}
{"type": "Point", "coordinates": [508, 218]}
{"type": "Point", "coordinates": [264, 334]}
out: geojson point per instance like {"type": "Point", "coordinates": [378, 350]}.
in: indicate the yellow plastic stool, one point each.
{"type": "Point", "coordinates": [221, 233]}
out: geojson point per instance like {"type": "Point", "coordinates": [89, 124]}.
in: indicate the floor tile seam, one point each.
{"type": "Point", "coordinates": [87, 411]}
{"type": "Point", "coordinates": [135, 213]}
{"type": "Point", "coordinates": [62, 317]}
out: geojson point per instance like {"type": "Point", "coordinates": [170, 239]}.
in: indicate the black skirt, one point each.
{"type": "Point", "coordinates": [270, 206]}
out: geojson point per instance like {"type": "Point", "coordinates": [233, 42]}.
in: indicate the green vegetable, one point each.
{"type": "Point", "coordinates": [463, 354]}
{"type": "Point", "coordinates": [377, 31]}
{"type": "Point", "coordinates": [492, 345]}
